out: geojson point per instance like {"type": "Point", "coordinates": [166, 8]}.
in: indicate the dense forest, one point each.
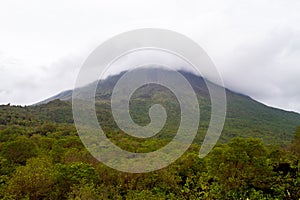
{"type": "Point", "coordinates": [42, 157]}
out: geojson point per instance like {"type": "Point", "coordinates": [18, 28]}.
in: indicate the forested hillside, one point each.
{"type": "Point", "coordinates": [245, 116]}
{"type": "Point", "coordinates": [42, 158]}
{"type": "Point", "coordinates": [257, 156]}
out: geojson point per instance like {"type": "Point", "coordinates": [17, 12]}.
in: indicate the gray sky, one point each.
{"type": "Point", "coordinates": [254, 44]}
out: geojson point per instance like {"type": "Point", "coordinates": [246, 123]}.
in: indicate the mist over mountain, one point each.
{"type": "Point", "coordinates": [245, 116]}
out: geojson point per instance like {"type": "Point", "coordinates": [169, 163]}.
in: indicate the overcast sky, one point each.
{"type": "Point", "coordinates": [254, 44]}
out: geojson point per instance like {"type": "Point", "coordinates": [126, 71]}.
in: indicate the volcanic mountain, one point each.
{"type": "Point", "coordinates": [245, 116]}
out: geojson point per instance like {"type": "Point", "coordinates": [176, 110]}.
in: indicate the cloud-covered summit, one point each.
{"type": "Point", "coordinates": [254, 44]}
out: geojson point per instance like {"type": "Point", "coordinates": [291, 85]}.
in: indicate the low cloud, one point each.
{"type": "Point", "coordinates": [267, 69]}
{"type": "Point", "coordinates": [255, 44]}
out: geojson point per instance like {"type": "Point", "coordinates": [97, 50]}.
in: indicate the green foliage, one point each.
{"type": "Point", "coordinates": [84, 191]}
{"type": "Point", "coordinates": [35, 180]}
{"type": "Point", "coordinates": [241, 165]}
{"type": "Point", "coordinates": [55, 111]}
{"type": "Point", "coordinates": [295, 145]}
{"type": "Point", "coordinates": [20, 150]}
{"type": "Point", "coordinates": [15, 115]}
{"type": "Point", "coordinates": [71, 175]}
{"type": "Point", "coordinates": [42, 159]}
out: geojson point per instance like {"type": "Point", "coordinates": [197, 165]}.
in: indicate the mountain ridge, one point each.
{"type": "Point", "coordinates": [245, 116]}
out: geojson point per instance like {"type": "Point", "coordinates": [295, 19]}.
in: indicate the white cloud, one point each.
{"type": "Point", "coordinates": [255, 44]}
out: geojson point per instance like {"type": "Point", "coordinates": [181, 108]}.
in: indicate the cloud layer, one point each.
{"type": "Point", "coordinates": [254, 44]}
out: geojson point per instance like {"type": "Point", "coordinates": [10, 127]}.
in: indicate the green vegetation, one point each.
{"type": "Point", "coordinates": [257, 157]}
{"type": "Point", "coordinates": [245, 116]}
{"type": "Point", "coordinates": [42, 157]}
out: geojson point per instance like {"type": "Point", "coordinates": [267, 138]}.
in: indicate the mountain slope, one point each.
{"type": "Point", "coordinates": [245, 116]}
